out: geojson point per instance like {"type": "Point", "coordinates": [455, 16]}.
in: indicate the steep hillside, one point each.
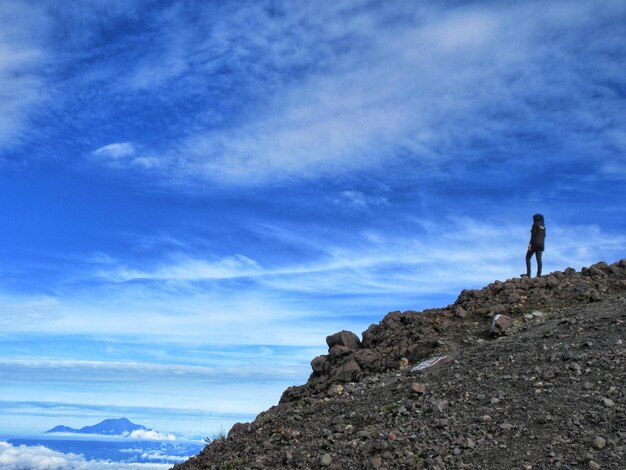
{"type": "Point", "coordinates": [527, 373]}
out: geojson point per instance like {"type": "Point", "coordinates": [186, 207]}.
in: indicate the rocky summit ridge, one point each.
{"type": "Point", "coordinates": [528, 373]}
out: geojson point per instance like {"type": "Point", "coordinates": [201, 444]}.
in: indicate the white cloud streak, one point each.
{"type": "Point", "coordinates": [116, 371]}
{"type": "Point", "coordinates": [122, 155]}
{"type": "Point", "coordinates": [186, 269]}
{"type": "Point", "coordinates": [358, 200]}
{"type": "Point", "coordinates": [115, 151]}
{"type": "Point", "coordinates": [441, 258]}
{"type": "Point", "coordinates": [151, 435]}
{"type": "Point", "coordinates": [238, 301]}
{"type": "Point", "coordinates": [194, 314]}
{"type": "Point", "coordinates": [27, 309]}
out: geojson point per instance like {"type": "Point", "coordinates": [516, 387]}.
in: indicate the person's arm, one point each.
{"type": "Point", "coordinates": [533, 234]}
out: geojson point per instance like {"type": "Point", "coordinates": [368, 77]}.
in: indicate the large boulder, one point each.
{"type": "Point", "coordinates": [319, 363]}
{"type": "Point", "coordinates": [344, 338]}
{"type": "Point", "coordinates": [369, 359]}
{"type": "Point", "coordinates": [339, 351]}
{"type": "Point", "coordinates": [372, 335]}
{"type": "Point", "coordinates": [347, 372]}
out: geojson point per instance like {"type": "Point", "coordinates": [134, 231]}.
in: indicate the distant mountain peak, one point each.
{"type": "Point", "coordinates": [107, 427]}
{"type": "Point", "coordinates": [61, 429]}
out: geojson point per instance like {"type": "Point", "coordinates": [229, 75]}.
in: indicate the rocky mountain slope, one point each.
{"type": "Point", "coordinates": [525, 374]}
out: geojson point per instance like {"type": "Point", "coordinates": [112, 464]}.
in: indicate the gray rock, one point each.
{"type": "Point", "coordinates": [513, 298]}
{"type": "Point", "coordinates": [348, 372]}
{"type": "Point", "coordinates": [608, 402]}
{"type": "Point", "coordinates": [368, 359]}
{"type": "Point", "coordinates": [344, 338]}
{"type": "Point", "coordinates": [460, 312]}
{"type": "Point", "coordinates": [599, 442]}
{"type": "Point", "coordinates": [498, 309]}
{"type": "Point", "coordinates": [318, 363]}
{"type": "Point", "coordinates": [372, 335]}
{"type": "Point", "coordinates": [339, 351]}
{"type": "Point", "coordinates": [439, 405]}
{"type": "Point", "coordinates": [500, 325]}
{"type": "Point", "coordinates": [549, 374]}
{"type": "Point", "coordinates": [418, 388]}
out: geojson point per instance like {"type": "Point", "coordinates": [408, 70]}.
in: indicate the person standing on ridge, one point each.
{"type": "Point", "coordinates": [536, 244]}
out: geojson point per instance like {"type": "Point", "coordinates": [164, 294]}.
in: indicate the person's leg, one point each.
{"type": "Point", "coordinates": [538, 254]}
{"type": "Point", "coordinates": [529, 254]}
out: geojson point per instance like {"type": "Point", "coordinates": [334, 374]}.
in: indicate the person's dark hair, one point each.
{"type": "Point", "coordinates": [538, 218]}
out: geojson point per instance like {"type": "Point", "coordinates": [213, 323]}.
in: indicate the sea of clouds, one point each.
{"type": "Point", "coordinates": [41, 458]}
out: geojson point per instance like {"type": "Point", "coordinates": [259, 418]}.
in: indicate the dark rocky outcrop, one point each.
{"type": "Point", "coordinates": [497, 309]}
{"type": "Point", "coordinates": [525, 373]}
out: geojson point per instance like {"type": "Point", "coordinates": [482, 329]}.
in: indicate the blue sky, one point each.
{"type": "Point", "coordinates": [194, 194]}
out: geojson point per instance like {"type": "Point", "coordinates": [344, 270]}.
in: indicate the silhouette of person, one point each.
{"type": "Point", "coordinates": [536, 244]}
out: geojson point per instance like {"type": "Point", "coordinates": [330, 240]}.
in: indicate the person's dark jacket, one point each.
{"type": "Point", "coordinates": [537, 233]}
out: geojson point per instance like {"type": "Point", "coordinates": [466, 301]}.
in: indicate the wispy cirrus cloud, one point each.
{"type": "Point", "coordinates": [78, 413]}
{"type": "Point", "coordinates": [127, 371]}
{"type": "Point", "coordinates": [358, 200]}
{"type": "Point", "coordinates": [282, 93]}
{"type": "Point", "coordinates": [124, 155]}
{"type": "Point", "coordinates": [440, 257]}
{"type": "Point", "coordinates": [115, 151]}
{"type": "Point", "coordinates": [22, 29]}
{"type": "Point", "coordinates": [175, 312]}
{"type": "Point", "coordinates": [175, 295]}
{"type": "Point", "coordinates": [29, 309]}
{"type": "Point", "coordinates": [377, 91]}
{"type": "Point", "coordinates": [46, 415]}
{"type": "Point", "coordinates": [186, 269]}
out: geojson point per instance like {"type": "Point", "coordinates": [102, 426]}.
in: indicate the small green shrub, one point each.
{"type": "Point", "coordinates": [389, 406]}
{"type": "Point", "coordinates": [217, 437]}
{"type": "Point", "coordinates": [232, 465]}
